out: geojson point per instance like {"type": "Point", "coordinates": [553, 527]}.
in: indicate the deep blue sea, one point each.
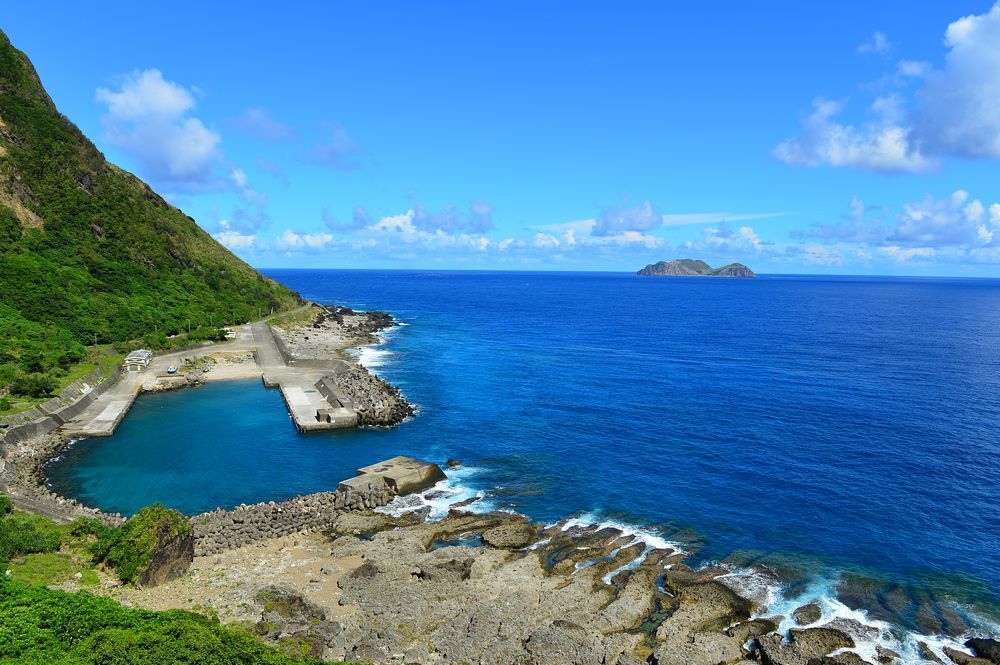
{"type": "Point", "coordinates": [851, 425]}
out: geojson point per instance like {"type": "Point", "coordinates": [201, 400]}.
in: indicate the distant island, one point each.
{"type": "Point", "coordinates": [694, 268]}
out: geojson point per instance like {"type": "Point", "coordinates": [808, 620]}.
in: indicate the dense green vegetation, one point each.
{"type": "Point", "coordinates": [40, 625]}
{"type": "Point", "coordinates": [89, 254]}
{"type": "Point", "coordinates": [129, 548]}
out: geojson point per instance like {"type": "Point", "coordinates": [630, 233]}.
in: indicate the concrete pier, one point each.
{"type": "Point", "coordinates": [313, 403]}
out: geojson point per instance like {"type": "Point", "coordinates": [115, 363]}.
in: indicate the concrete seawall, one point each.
{"type": "Point", "coordinates": [46, 417]}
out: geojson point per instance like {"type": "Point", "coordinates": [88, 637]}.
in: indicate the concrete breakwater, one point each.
{"type": "Point", "coordinates": [222, 530]}
{"type": "Point", "coordinates": [321, 389]}
{"type": "Point", "coordinates": [374, 486]}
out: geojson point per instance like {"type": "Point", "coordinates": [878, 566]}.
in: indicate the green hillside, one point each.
{"type": "Point", "coordinates": [89, 254]}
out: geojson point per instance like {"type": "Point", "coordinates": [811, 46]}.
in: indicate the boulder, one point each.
{"type": "Point", "coordinates": [289, 618]}
{"type": "Point", "coordinates": [818, 642]}
{"type": "Point", "coordinates": [985, 648]}
{"type": "Point", "coordinates": [960, 658]}
{"type": "Point", "coordinates": [748, 630]}
{"type": "Point", "coordinates": [512, 536]}
{"type": "Point", "coordinates": [808, 614]}
{"type": "Point", "coordinates": [773, 650]}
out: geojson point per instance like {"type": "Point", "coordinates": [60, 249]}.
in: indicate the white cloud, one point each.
{"type": "Point", "coordinates": [145, 94]}
{"type": "Point", "coordinates": [293, 240]}
{"type": "Point", "coordinates": [882, 145]}
{"type": "Point", "coordinates": [912, 69]}
{"type": "Point", "coordinates": [147, 119]}
{"type": "Point", "coordinates": [954, 113]}
{"type": "Point", "coordinates": [904, 254]}
{"type": "Point", "coordinates": [234, 239]}
{"type": "Point", "coordinates": [616, 220]}
{"type": "Point", "coordinates": [958, 112]}
{"type": "Point", "coordinates": [723, 238]}
{"type": "Point", "coordinates": [878, 43]}
{"type": "Point", "coordinates": [940, 222]}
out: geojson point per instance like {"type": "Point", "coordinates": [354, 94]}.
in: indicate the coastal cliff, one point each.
{"type": "Point", "coordinates": [694, 268]}
{"type": "Point", "coordinates": [90, 255]}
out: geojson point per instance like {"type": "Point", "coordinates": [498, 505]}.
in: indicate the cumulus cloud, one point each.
{"type": "Point", "coordinates": [955, 228]}
{"type": "Point", "coordinates": [878, 43]}
{"type": "Point", "coordinates": [478, 219]}
{"type": "Point", "coordinates": [725, 239]}
{"type": "Point", "coordinates": [956, 220]}
{"type": "Point", "coordinates": [260, 124]}
{"type": "Point", "coordinates": [881, 145]}
{"type": "Point", "coordinates": [958, 113]}
{"type": "Point", "coordinates": [147, 117]}
{"type": "Point", "coordinates": [953, 112]}
{"type": "Point", "coordinates": [858, 225]}
{"type": "Point", "coordinates": [233, 239]}
{"type": "Point", "coordinates": [295, 240]}
{"type": "Point", "coordinates": [339, 151]}
{"type": "Point", "coordinates": [616, 220]}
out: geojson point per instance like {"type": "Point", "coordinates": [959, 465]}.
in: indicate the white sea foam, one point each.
{"type": "Point", "coordinates": [648, 537]}
{"type": "Point", "coordinates": [440, 498]}
{"type": "Point", "coordinates": [765, 589]}
{"type": "Point", "coordinates": [375, 355]}
{"type": "Point", "coordinates": [639, 536]}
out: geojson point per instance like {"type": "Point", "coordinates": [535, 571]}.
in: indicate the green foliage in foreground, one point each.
{"type": "Point", "coordinates": [129, 548]}
{"type": "Point", "coordinates": [89, 254]}
{"type": "Point", "coordinates": [26, 534]}
{"type": "Point", "coordinates": [39, 625]}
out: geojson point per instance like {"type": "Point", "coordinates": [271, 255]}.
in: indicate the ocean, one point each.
{"type": "Point", "coordinates": [842, 433]}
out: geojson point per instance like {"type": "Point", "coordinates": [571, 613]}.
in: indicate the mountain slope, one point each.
{"type": "Point", "coordinates": [694, 268]}
{"type": "Point", "coordinates": [88, 252]}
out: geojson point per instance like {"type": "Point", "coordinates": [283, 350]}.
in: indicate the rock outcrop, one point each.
{"type": "Point", "coordinates": [694, 268]}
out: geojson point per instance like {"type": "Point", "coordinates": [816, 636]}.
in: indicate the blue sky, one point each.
{"type": "Point", "coordinates": [851, 137]}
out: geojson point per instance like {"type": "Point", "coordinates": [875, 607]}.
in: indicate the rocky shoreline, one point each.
{"type": "Point", "coordinates": [498, 589]}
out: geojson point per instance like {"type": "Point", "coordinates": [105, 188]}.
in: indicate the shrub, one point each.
{"type": "Point", "coordinates": [45, 626]}
{"type": "Point", "coordinates": [6, 404]}
{"type": "Point", "coordinates": [23, 534]}
{"type": "Point", "coordinates": [33, 385]}
{"type": "Point", "coordinates": [5, 505]}
{"type": "Point", "coordinates": [130, 548]}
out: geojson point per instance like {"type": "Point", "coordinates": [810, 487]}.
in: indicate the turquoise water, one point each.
{"type": "Point", "coordinates": [825, 424]}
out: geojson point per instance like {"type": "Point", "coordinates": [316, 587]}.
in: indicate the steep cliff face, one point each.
{"type": "Point", "coordinates": [694, 268]}
{"type": "Point", "coordinates": [90, 253]}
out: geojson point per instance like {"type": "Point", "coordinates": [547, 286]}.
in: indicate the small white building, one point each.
{"type": "Point", "coordinates": [137, 361]}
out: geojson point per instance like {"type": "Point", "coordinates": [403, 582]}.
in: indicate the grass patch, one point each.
{"type": "Point", "coordinates": [296, 318]}
{"type": "Point", "coordinates": [42, 569]}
